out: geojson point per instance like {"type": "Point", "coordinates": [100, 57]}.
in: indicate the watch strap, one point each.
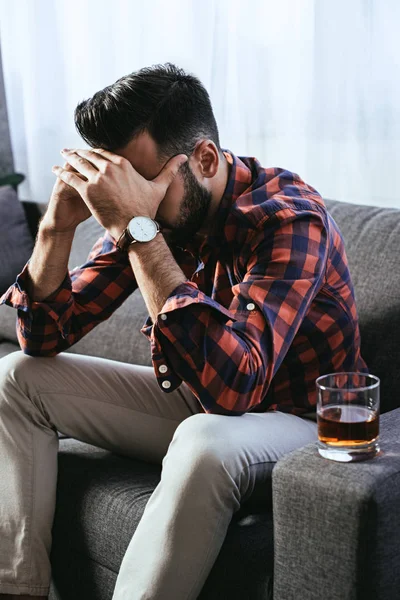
{"type": "Point", "coordinates": [125, 240]}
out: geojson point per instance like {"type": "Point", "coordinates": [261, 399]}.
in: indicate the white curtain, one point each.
{"type": "Point", "coordinates": [309, 85]}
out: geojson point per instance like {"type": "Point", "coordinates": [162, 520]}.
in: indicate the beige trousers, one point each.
{"type": "Point", "coordinates": [210, 464]}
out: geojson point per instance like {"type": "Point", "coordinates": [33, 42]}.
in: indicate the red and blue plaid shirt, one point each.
{"type": "Point", "coordinates": [267, 307]}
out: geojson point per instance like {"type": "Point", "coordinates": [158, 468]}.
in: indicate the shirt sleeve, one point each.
{"type": "Point", "coordinates": [229, 355]}
{"type": "Point", "coordinates": [88, 295]}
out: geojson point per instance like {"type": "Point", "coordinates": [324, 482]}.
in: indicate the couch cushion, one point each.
{"type": "Point", "coordinates": [16, 242]}
{"type": "Point", "coordinates": [118, 338]}
{"type": "Point", "coordinates": [372, 240]}
{"type": "Point", "coordinates": [7, 347]}
{"type": "Point", "coordinates": [104, 496]}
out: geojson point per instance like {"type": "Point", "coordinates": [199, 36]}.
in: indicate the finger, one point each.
{"type": "Point", "coordinates": [70, 178]}
{"type": "Point", "coordinates": [81, 164]}
{"type": "Point", "coordinates": [115, 158]}
{"type": "Point", "coordinates": [69, 167]}
{"type": "Point", "coordinates": [93, 157]}
{"type": "Point", "coordinates": [169, 172]}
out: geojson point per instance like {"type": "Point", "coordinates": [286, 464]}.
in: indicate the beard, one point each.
{"type": "Point", "coordinates": [193, 210]}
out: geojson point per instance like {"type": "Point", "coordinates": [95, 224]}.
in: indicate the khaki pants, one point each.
{"type": "Point", "coordinates": [210, 464]}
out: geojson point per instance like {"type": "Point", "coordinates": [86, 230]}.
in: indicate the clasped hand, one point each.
{"type": "Point", "coordinates": [113, 190]}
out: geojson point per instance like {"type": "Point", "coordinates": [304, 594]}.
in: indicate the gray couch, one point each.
{"type": "Point", "coordinates": [319, 530]}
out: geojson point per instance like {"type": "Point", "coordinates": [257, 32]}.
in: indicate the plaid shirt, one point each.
{"type": "Point", "coordinates": [267, 307]}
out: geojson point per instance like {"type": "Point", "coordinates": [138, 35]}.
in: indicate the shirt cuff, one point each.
{"type": "Point", "coordinates": [16, 295]}
{"type": "Point", "coordinates": [184, 295]}
{"type": "Point", "coordinates": [56, 304]}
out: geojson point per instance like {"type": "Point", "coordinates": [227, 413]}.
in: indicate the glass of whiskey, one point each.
{"type": "Point", "coordinates": [348, 416]}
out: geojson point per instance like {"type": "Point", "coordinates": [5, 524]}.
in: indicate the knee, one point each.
{"type": "Point", "coordinates": [202, 459]}
{"type": "Point", "coordinates": [204, 441]}
{"type": "Point", "coordinates": [13, 367]}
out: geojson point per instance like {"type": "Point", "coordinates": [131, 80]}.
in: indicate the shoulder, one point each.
{"type": "Point", "coordinates": [277, 195]}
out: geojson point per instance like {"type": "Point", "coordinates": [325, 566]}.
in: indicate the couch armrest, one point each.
{"type": "Point", "coordinates": [337, 525]}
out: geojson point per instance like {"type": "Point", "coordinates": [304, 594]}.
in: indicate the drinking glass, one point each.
{"type": "Point", "coordinates": [348, 416]}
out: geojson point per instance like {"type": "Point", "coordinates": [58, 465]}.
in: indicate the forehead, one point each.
{"type": "Point", "coordinates": [142, 154]}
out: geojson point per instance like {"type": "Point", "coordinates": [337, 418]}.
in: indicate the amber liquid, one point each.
{"type": "Point", "coordinates": [346, 425]}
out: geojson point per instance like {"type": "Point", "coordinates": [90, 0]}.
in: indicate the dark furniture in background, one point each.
{"type": "Point", "coordinates": [321, 530]}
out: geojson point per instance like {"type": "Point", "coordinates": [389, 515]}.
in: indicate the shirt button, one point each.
{"type": "Point", "coordinates": [163, 317]}
{"type": "Point", "coordinates": [163, 368]}
{"type": "Point", "coordinates": [166, 384]}
{"type": "Point", "coordinates": [250, 306]}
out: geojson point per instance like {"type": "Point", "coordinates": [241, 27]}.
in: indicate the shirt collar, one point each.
{"type": "Point", "coordinates": [239, 179]}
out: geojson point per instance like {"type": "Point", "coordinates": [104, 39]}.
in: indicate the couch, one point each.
{"type": "Point", "coordinates": [318, 529]}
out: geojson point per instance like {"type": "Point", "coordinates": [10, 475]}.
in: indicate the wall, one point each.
{"type": "Point", "coordinates": [6, 157]}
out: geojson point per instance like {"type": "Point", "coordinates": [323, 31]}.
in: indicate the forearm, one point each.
{"type": "Point", "coordinates": [48, 264]}
{"type": "Point", "coordinates": [156, 271]}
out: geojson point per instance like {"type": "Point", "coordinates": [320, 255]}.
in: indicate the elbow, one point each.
{"type": "Point", "coordinates": [31, 347]}
{"type": "Point", "coordinates": [252, 380]}
{"type": "Point", "coordinates": [218, 409]}
{"type": "Point", "coordinates": [39, 351]}
{"type": "Point", "coordinates": [240, 389]}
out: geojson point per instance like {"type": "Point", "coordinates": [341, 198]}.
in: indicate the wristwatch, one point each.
{"type": "Point", "coordinates": [139, 229]}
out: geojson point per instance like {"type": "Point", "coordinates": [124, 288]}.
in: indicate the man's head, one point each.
{"type": "Point", "coordinates": [150, 116]}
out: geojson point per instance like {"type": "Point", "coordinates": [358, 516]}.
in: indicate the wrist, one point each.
{"type": "Point", "coordinates": [117, 230]}
{"type": "Point", "coordinates": [142, 247]}
{"type": "Point", "coordinates": [49, 230]}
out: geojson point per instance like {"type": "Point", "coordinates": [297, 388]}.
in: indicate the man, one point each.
{"type": "Point", "coordinates": [249, 299]}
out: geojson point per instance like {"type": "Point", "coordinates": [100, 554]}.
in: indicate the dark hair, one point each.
{"type": "Point", "coordinates": [172, 105]}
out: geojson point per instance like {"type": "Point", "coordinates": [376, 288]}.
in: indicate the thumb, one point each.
{"type": "Point", "coordinates": [169, 172]}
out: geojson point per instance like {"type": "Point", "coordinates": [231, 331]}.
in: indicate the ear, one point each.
{"type": "Point", "coordinates": [207, 158]}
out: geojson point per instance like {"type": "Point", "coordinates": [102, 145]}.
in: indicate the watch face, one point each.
{"type": "Point", "coordinates": [142, 229]}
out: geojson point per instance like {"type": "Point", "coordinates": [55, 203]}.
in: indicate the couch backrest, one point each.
{"type": "Point", "coordinates": [372, 240]}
